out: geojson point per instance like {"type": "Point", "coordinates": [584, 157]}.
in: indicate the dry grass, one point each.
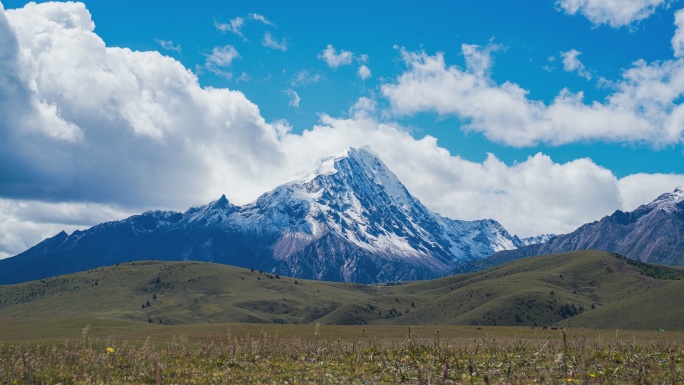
{"type": "Point", "coordinates": [318, 354]}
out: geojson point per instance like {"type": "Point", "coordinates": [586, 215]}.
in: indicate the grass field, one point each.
{"type": "Point", "coordinates": [200, 323]}
{"type": "Point", "coordinates": [587, 288]}
{"type": "Point", "coordinates": [106, 352]}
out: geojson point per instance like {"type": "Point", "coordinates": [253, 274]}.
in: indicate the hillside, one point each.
{"type": "Point", "coordinates": [585, 288]}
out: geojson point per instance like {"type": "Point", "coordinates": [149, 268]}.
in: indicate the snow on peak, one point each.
{"type": "Point", "coordinates": [331, 164]}
{"type": "Point", "coordinates": [357, 170]}
{"type": "Point", "coordinates": [217, 211]}
{"type": "Point", "coordinates": [668, 201]}
{"type": "Point", "coordinates": [542, 238]}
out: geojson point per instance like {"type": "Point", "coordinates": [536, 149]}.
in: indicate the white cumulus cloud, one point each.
{"type": "Point", "coordinates": [364, 72]}
{"type": "Point", "coordinates": [270, 42]}
{"type": "Point", "coordinates": [336, 59]}
{"type": "Point", "coordinates": [571, 63]}
{"type": "Point", "coordinates": [646, 106]}
{"type": "Point", "coordinates": [615, 13]}
{"type": "Point", "coordinates": [235, 26]}
{"type": "Point", "coordinates": [85, 122]}
{"type": "Point", "coordinates": [363, 108]}
{"type": "Point", "coordinates": [169, 45]}
{"type": "Point", "coordinates": [221, 59]}
{"type": "Point", "coordinates": [260, 18]}
{"type": "Point", "coordinates": [294, 98]}
{"type": "Point", "coordinates": [305, 77]}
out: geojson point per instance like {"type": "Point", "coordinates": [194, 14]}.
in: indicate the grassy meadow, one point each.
{"type": "Point", "coordinates": [331, 354]}
{"type": "Point", "coordinates": [583, 317]}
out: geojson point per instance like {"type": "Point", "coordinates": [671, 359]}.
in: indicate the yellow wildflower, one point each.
{"type": "Point", "coordinates": [569, 380]}
{"type": "Point", "coordinates": [110, 349]}
{"type": "Point", "coordinates": [592, 375]}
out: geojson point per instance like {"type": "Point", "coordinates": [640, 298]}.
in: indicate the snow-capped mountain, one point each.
{"type": "Point", "coordinates": [542, 238]}
{"type": "Point", "coordinates": [652, 233]}
{"type": "Point", "coordinates": [349, 219]}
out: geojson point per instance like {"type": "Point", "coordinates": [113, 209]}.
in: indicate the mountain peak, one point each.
{"type": "Point", "coordinates": [222, 201]}
{"type": "Point", "coordinates": [362, 171]}
{"type": "Point", "coordinates": [668, 201]}
{"type": "Point", "coordinates": [678, 193]}
{"type": "Point", "coordinates": [331, 164]}
{"type": "Point", "coordinates": [353, 152]}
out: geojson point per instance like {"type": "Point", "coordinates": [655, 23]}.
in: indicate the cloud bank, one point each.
{"type": "Point", "coordinates": [90, 133]}
{"type": "Point", "coordinates": [646, 106]}
{"type": "Point", "coordinates": [82, 121]}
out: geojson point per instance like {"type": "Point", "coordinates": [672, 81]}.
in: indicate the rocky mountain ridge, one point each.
{"type": "Point", "coordinates": [653, 233]}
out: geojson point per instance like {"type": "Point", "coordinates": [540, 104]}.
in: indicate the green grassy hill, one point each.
{"type": "Point", "coordinates": [585, 288]}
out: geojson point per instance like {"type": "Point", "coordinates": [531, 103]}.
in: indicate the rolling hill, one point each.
{"type": "Point", "coordinates": [583, 288]}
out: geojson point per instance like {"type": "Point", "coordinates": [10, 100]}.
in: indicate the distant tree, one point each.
{"type": "Point", "coordinates": [149, 320]}
{"type": "Point", "coordinates": [154, 297]}
{"type": "Point", "coordinates": [148, 304]}
{"type": "Point", "coordinates": [568, 310]}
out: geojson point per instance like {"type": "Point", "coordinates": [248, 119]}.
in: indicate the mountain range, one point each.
{"type": "Point", "coordinates": [652, 233]}
{"type": "Point", "coordinates": [350, 219]}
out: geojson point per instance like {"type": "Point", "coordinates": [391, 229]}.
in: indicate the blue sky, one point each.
{"type": "Point", "coordinates": [540, 114]}
{"type": "Point", "coordinates": [529, 34]}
